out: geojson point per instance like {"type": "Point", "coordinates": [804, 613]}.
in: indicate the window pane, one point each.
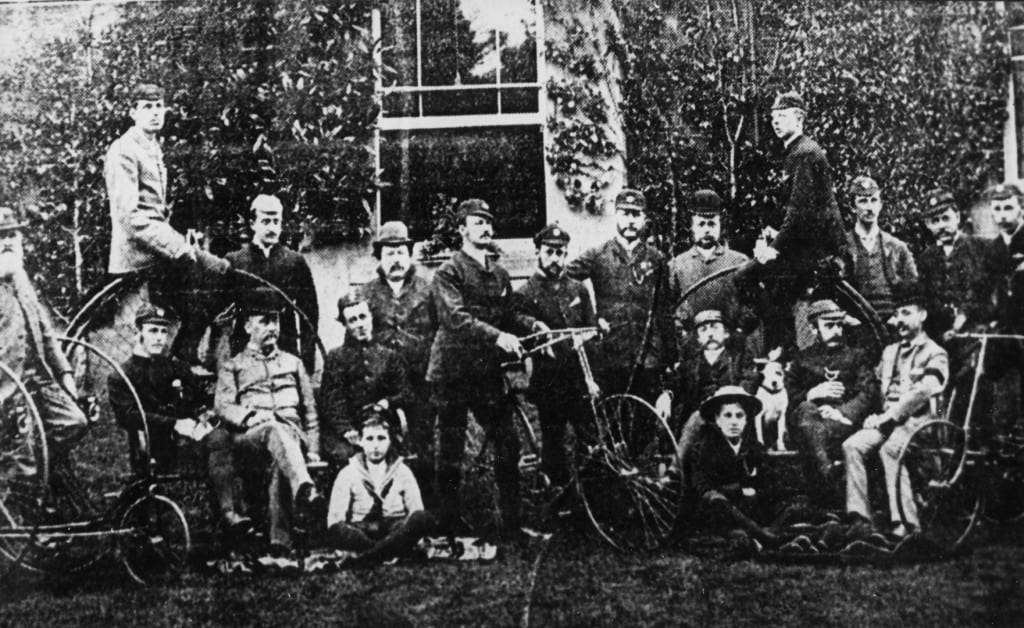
{"type": "Point", "coordinates": [398, 34]}
{"type": "Point", "coordinates": [401, 105]}
{"type": "Point", "coordinates": [460, 103]}
{"type": "Point", "coordinates": [519, 100]}
{"type": "Point", "coordinates": [504, 166]}
{"type": "Point", "coordinates": [519, 49]}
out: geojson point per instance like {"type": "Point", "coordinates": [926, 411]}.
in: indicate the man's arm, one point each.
{"type": "Point", "coordinates": [410, 491]}
{"type": "Point", "coordinates": [310, 422]}
{"type": "Point", "coordinates": [806, 197]}
{"type": "Point", "coordinates": [798, 381]}
{"type": "Point", "coordinates": [934, 373]}
{"type": "Point", "coordinates": [907, 265]}
{"type": "Point", "coordinates": [868, 397]}
{"type": "Point", "coordinates": [451, 309]}
{"type": "Point", "coordinates": [225, 399]}
{"type": "Point", "coordinates": [305, 298]}
{"type": "Point", "coordinates": [341, 497]}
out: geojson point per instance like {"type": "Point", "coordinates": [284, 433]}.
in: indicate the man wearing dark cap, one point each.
{"type": "Point", "coordinates": [403, 320]}
{"type": "Point", "coordinates": [811, 236]}
{"type": "Point", "coordinates": [265, 397]}
{"type": "Point", "coordinates": [880, 259]}
{"type": "Point", "coordinates": [711, 359]}
{"type": "Point", "coordinates": [142, 240]}
{"type": "Point", "coordinates": [475, 334]}
{"type": "Point", "coordinates": [630, 282]}
{"type": "Point", "coordinates": [29, 347]}
{"type": "Point", "coordinates": [708, 255]}
{"type": "Point", "coordinates": [361, 372]}
{"type": "Point", "coordinates": [174, 401]}
{"type": "Point", "coordinates": [913, 372]}
{"type": "Point", "coordinates": [833, 388]}
{"type": "Point", "coordinates": [557, 385]}
{"type": "Point", "coordinates": [955, 270]}
{"type": "Point", "coordinates": [266, 257]}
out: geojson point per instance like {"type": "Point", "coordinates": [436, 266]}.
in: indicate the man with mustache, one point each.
{"type": "Point", "coordinates": [557, 386]}
{"type": "Point", "coordinates": [476, 331]}
{"type": "Point", "coordinates": [29, 347]}
{"type": "Point", "coordinates": [811, 236]}
{"type": "Point", "coordinates": [362, 372]}
{"type": "Point", "coordinates": [266, 257]}
{"type": "Point", "coordinates": [880, 260]}
{"type": "Point", "coordinates": [913, 372]}
{"type": "Point", "coordinates": [265, 398]}
{"type": "Point", "coordinates": [630, 282]}
{"type": "Point", "coordinates": [142, 241]}
{"type": "Point", "coordinates": [711, 358]}
{"type": "Point", "coordinates": [708, 255]}
{"type": "Point", "coordinates": [404, 320]}
{"type": "Point", "coordinates": [833, 388]}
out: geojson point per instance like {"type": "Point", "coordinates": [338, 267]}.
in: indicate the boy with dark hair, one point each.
{"type": "Point", "coordinates": [375, 507]}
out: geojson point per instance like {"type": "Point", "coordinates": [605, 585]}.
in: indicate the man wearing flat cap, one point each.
{"type": "Point", "coordinates": [270, 259]}
{"type": "Point", "coordinates": [361, 372]}
{"type": "Point", "coordinates": [708, 255]}
{"type": "Point", "coordinates": [403, 319]}
{"type": "Point", "coordinates": [913, 372]}
{"type": "Point", "coordinates": [832, 388]}
{"type": "Point", "coordinates": [811, 236]}
{"type": "Point", "coordinates": [557, 386]}
{"type": "Point", "coordinates": [29, 347]}
{"type": "Point", "coordinates": [175, 403]}
{"type": "Point", "coordinates": [711, 359]}
{"type": "Point", "coordinates": [142, 240]}
{"type": "Point", "coordinates": [477, 327]}
{"type": "Point", "coordinates": [630, 283]}
{"type": "Point", "coordinates": [880, 259]}
{"type": "Point", "coordinates": [264, 396]}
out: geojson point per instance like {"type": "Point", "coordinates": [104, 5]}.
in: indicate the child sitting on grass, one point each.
{"type": "Point", "coordinates": [376, 508]}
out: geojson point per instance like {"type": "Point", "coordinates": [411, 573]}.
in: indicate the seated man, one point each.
{"type": "Point", "coordinates": [832, 387]}
{"type": "Point", "coordinates": [172, 398]}
{"type": "Point", "coordinates": [361, 372]}
{"type": "Point", "coordinates": [265, 398]}
{"type": "Point", "coordinates": [724, 485]}
{"type": "Point", "coordinates": [716, 359]}
{"type": "Point", "coordinates": [376, 506]}
{"type": "Point", "coordinates": [912, 372]}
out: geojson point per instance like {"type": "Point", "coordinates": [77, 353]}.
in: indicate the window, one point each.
{"type": "Point", "coordinates": [462, 110]}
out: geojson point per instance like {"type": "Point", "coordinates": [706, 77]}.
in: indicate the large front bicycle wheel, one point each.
{"type": "Point", "coordinates": [937, 468]}
{"type": "Point", "coordinates": [620, 472]}
{"type": "Point", "coordinates": [155, 541]}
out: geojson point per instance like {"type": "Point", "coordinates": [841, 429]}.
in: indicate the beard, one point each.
{"type": "Point", "coordinates": [552, 270]}
{"type": "Point", "coordinates": [396, 272]}
{"type": "Point", "coordinates": [712, 343]}
{"type": "Point", "coordinates": [706, 242]}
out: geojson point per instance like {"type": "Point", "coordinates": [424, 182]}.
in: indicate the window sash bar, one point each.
{"type": "Point", "coordinates": [398, 89]}
{"type": "Point", "coordinates": [426, 123]}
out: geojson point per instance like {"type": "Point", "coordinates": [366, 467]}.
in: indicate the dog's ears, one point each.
{"type": "Point", "coordinates": [775, 354]}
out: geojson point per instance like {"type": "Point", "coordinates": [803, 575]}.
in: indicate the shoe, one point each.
{"type": "Point", "coordinates": [308, 501]}
{"type": "Point", "coordinates": [900, 531]}
{"type": "Point", "coordinates": [235, 525]}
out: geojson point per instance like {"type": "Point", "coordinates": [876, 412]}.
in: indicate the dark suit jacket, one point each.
{"type": "Point", "coordinates": [812, 228]}
{"type": "Point", "coordinates": [695, 381]}
{"type": "Point", "coordinates": [289, 271]}
{"type": "Point", "coordinates": [625, 287]}
{"type": "Point", "coordinates": [964, 280]}
{"type": "Point", "coordinates": [405, 322]}
{"type": "Point", "coordinates": [716, 467]}
{"type": "Point", "coordinates": [1010, 289]}
{"type": "Point", "coordinates": [852, 368]}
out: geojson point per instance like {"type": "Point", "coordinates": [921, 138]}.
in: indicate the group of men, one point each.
{"type": "Point", "coordinates": [428, 352]}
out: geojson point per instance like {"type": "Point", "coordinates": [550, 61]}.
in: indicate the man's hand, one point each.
{"type": "Point", "coordinates": [352, 437]}
{"type": "Point", "coordinates": [826, 390]}
{"type": "Point", "coordinates": [831, 414]}
{"type": "Point", "coordinates": [540, 327]}
{"type": "Point", "coordinates": [510, 344]}
{"type": "Point", "coordinates": [383, 404]}
{"type": "Point", "coordinates": [876, 421]}
{"type": "Point", "coordinates": [664, 404]}
{"type": "Point", "coordinates": [312, 457]}
{"type": "Point", "coordinates": [603, 326]}
{"type": "Point", "coordinates": [765, 254]}
{"type": "Point", "coordinates": [259, 418]}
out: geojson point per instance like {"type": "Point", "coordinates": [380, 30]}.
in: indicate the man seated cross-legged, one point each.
{"type": "Point", "coordinates": [265, 397]}
{"type": "Point", "coordinates": [173, 400]}
{"type": "Point", "coordinates": [376, 508]}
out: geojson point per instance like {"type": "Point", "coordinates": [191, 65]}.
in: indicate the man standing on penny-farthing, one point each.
{"type": "Point", "coordinates": [477, 329]}
{"type": "Point", "coordinates": [142, 241]}
{"type": "Point", "coordinates": [811, 237]}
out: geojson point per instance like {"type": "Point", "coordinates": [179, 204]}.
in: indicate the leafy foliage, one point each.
{"type": "Point", "coordinates": [266, 97]}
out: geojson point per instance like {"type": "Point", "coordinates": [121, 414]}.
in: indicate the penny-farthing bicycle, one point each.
{"type": "Point", "coordinates": [960, 475]}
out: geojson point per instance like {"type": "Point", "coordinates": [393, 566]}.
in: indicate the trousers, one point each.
{"type": "Point", "coordinates": [856, 448]}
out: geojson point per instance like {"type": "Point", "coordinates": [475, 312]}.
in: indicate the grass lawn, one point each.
{"type": "Point", "coordinates": [578, 582]}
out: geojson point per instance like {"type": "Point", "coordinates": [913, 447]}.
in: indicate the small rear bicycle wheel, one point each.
{"type": "Point", "coordinates": [941, 477]}
{"type": "Point", "coordinates": [155, 541]}
{"type": "Point", "coordinates": [620, 473]}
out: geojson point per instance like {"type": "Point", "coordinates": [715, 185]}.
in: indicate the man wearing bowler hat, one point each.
{"type": "Point", "coordinates": [557, 385]}
{"type": "Point", "coordinates": [264, 396]}
{"type": "Point", "coordinates": [811, 236]}
{"type": "Point", "coordinates": [708, 255]}
{"type": "Point", "coordinates": [913, 372]}
{"type": "Point", "coordinates": [476, 331]}
{"type": "Point", "coordinates": [268, 258]}
{"type": "Point", "coordinates": [631, 294]}
{"type": "Point", "coordinates": [29, 347]}
{"type": "Point", "coordinates": [832, 388]}
{"type": "Point", "coordinates": [404, 320]}
{"type": "Point", "coordinates": [142, 241]}
{"type": "Point", "coordinates": [880, 259]}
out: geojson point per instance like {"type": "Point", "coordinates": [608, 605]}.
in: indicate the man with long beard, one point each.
{"type": "Point", "coordinates": [28, 346]}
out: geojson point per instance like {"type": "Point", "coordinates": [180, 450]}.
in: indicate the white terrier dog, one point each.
{"type": "Point", "coordinates": [773, 397]}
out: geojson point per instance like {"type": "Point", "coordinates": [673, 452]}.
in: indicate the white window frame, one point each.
{"type": "Point", "coordinates": [422, 123]}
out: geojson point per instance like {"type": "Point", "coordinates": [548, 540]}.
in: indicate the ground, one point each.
{"type": "Point", "coordinates": [577, 582]}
